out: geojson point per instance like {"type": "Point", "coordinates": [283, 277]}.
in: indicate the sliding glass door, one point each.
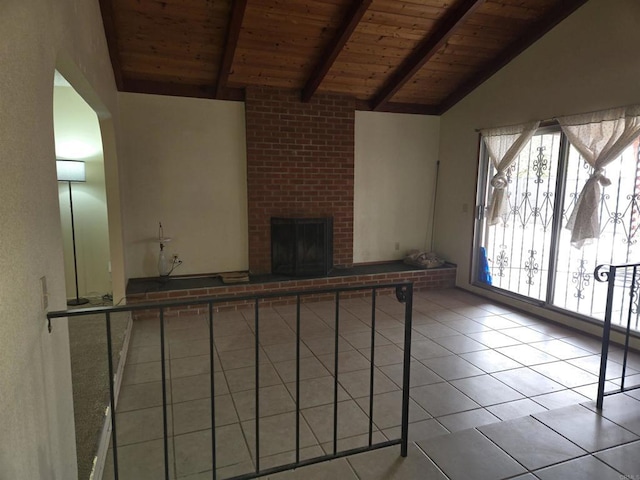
{"type": "Point", "coordinates": [576, 289]}
{"type": "Point", "coordinates": [529, 253]}
{"type": "Point", "coordinates": [519, 246]}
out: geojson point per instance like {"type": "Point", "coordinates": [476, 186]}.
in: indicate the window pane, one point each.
{"type": "Point", "coordinates": [575, 287]}
{"type": "Point", "coordinates": [518, 248]}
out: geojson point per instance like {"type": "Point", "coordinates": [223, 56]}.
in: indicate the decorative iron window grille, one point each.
{"type": "Point", "coordinates": [529, 252]}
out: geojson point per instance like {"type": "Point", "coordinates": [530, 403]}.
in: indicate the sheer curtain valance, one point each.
{"type": "Point", "coordinates": [600, 137]}
{"type": "Point", "coordinates": [503, 145]}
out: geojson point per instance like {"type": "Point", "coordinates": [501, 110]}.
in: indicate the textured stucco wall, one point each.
{"type": "Point", "coordinates": [395, 176]}
{"type": "Point", "coordinates": [36, 418]}
{"type": "Point", "coordinates": [186, 167]}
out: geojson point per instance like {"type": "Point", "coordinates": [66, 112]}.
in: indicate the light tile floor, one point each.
{"type": "Point", "coordinates": [494, 394]}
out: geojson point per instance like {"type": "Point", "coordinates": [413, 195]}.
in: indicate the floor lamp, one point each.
{"type": "Point", "coordinates": [72, 171]}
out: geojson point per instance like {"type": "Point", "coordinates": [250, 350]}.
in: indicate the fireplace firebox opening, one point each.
{"type": "Point", "coordinates": [301, 247]}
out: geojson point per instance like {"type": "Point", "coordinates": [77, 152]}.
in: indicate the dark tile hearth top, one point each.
{"type": "Point", "coordinates": [158, 284]}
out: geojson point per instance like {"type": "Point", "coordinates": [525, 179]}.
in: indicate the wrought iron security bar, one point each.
{"type": "Point", "coordinates": [623, 297]}
{"type": "Point", "coordinates": [529, 253]}
{"type": "Point", "coordinates": [404, 294]}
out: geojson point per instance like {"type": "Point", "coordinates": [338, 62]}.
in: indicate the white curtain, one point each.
{"type": "Point", "coordinates": [600, 138]}
{"type": "Point", "coordinates": [504, 144]}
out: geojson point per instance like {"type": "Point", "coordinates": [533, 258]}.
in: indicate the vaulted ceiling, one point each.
{"type": "Point", "coordinates": [419, 56]}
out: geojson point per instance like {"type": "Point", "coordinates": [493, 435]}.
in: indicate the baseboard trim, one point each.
{"type": "Point", "coordinates": [105, 436]}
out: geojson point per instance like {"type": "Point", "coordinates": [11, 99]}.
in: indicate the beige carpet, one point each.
{"type": "Point", "coordinates": [89, 370]}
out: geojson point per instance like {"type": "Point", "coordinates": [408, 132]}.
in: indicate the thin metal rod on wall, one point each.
{"type": "Point", "coordinates": [435, 201]}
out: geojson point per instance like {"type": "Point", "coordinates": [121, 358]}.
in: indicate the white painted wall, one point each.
{"type": "Point", "coordinates": [588, 62]}
{"type": "Point", "coordinates": [77, 136]}
{"type": "Point", "coordinates": [112, 171]}
{"type": "Point", "coordinates": [395, 169]}
{"type": "Point", "coordinates": [36, 418]}
{"type": "Point", "coordinates": [185, 166]}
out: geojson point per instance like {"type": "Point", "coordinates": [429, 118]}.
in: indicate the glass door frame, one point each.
{"type": "Point", "coordinates": [480, 230]}
{"type": "Point", "coordinates": [480, 235]}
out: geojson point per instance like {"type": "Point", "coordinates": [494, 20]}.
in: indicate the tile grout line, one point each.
{"type": "Point", "coordinates": [447, 381]}
{"type": "Point", "coordinates": [595, 413]}
{"type": "Point", "coordinates": [431, 459]}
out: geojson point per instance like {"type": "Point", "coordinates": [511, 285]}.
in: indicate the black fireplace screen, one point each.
{"type": "Point", "coordinates": [301, 246]}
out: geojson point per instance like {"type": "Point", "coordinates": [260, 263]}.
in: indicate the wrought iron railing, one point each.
{"type": "Point", "coordinates": [404, 294]}
{"type": "Point", "coordinates": [623, 282]}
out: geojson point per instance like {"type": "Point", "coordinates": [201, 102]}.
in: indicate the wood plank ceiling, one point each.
{"type": "Point", "coordinates": [420, 56]}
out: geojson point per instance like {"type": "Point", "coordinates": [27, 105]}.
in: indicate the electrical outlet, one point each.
{"type": "Point", "coordinates": [397, 246]}
{"type": "Point", "coordinates": [45, 293]}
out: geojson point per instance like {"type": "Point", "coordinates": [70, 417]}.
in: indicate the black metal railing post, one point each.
{"type": "Point", "coordinates": [114, 436]}
{"type": "Point", "coordinates": [213, 391]}
{"type": "Point", "coordinates": [164, 396]}
{"type": "Point", "coordinates": [372, 366]}
{"type": "Point", "coordinates": [256, 322]}
{"type": "Point", "coordinates": [297, 378]}
{"type": "Point", "coordinates": [335, 375]}
{"type": "Point", "coordinates": [632, 293]}
{"type": "Point", "coordinates": [404, 294]}
{"type": "Point", "coordinates": [610, 277]}
{"type": "Point", "coordinates": [407, 297]}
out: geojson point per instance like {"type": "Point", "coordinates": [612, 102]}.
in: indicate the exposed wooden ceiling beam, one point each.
{"type": "Point", "coordinates": [106, 8]}
{"type": "Point", "coordinates": [180, 90]}
{"type": "Point", "coordinates": [233, 33]}
{"type": "Point", "coordinates": [429, 47]}
{"type": "Point", "coordinates": [351, 20]}
{"type": "Point", "coordinates": [553, 18]}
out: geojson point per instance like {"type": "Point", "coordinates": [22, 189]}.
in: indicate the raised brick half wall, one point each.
{"type": "Point", "coordinates": [300, 160]}
{"type": "Point", "coordinates": [434, 279]}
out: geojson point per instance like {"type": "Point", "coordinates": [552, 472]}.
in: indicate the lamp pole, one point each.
{"type": "Point", "coordinates": [74, 301]}
{"type": "Point", "coordinates": [72, 171]}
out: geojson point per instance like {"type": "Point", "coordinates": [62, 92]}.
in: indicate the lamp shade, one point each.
{"type": "Point", "coordinates": [70, 171]}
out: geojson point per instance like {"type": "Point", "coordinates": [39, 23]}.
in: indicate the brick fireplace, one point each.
{"type": "Point", "coordinates": [300, 159]}
{"type": "Point", "coordinates": [300, 164]}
